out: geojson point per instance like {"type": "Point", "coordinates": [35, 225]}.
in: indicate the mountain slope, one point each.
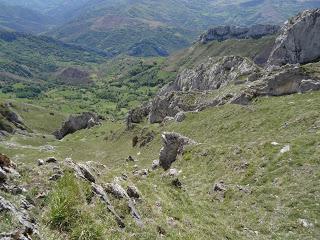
{"type": "Point", "coordinates": [246, 169]}
{"type": "Point", "coordinates": [262, 197]}
{"type": "Point", "coordinates": [33, 57]}
{"type": "Point", "coordinates": [120, 26]}
{"type": "Point", "coordinates": [23, 19]}
{"type": "Point", "coordinates": [37, 16]}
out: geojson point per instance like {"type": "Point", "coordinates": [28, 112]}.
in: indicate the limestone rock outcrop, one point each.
{"type": "Point", "coordinates": [10, 119]}
{"type": "Point", "coordinates": [77, 122]}
{"type": "Point", "coordinates": [299, 40]}
{"type": "Point", "coordinates": [173, 145]}
{"type": "Point", "coordinates": [27, 226]}
{"type": "Point", "coordinates": [137, 115]}
{"type": "Point", "coordinates": [215, 73]}
{"type": "Point", "coordinates": [222, 33]}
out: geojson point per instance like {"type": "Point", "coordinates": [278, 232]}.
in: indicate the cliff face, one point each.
{"type": "Point", "coordinates": [222, 33]}
{"type": "Point", "coordinates": [213, 74]}
{"type": "Point", "coordinates": [299, 40]}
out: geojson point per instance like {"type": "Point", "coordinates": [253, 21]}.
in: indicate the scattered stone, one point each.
{"type": "Point", "coordinates": [176, 183]}
{"type": "Point", "coordinates": [116, 190]}
{"type": "Point", "coordinates": [133, 192]}
{"type": "Point", "coordinates": [131, 159]}
{"type": "Point", "coordinates": [173, 172]}
{"type": "Point", "coordinates": [285, 149]}
{"type": "Point", "coordinates": [180, 117]}
{"type": "Point", "coordinates": [135, 141]}
{"type": "Point", "coordinates": [100, 192]}
{"type": "Point", "coordinates": [26, 204]}
{"type": "Point", "coordinates": [146, 138]}
{"type": "Point", "coordinates": [274, 144]}
{"type": "Point", "coordinates": [6, 162]}
{"type": "Point", "coordinates": [3, 176]}
{"type": "Point", "coordinates": [84, 172]}
{"type": "Point", "coordinates": [244, 165]}
{"type": "Point", "coordinates": [16, 190]}
{"type": "Point", "coordinates": [134, 213]}
{"type": "Point", "coordinates": [309, 85]}
{"type": "Point", "coordinates": [155, 164]}
{"type": "Point", "coordinates": [204, 153]}
{"type": "Point", "coordinates": [55, 177]}
{"type": "Point", "coordinates": [51, 160]}
{"type": "Point", "coordinates": [42, 195]}
{"type": "Point", "coordinates": [168, 119]}
{"type": "Point", "coordinates": [173, 145]}
{"type": "Point", "coordinates": [76, 123]}
{"type": "Point", "coordinates": [47, 148]}
{"type": "Point", "coordinates": [219, 187]}
{"type": "Point", "coordinates": [40, 162]}
{"type": "Point", "coordinates": [161, 231]}
{"type": "Point", "coordinates": [141, 173]}
{"type": "Point", "coordinates": [244, 189]}
{"type": "Point", "coordinates": [27, 224]}
{"type": "Point", "coordinates": [11, 171]}
{"type": "Point", "coordinates": [305, 223]}
{"type": "Point", "coordinates": [124, 177]}
{"type": "Point", "coordinates": [137, 115]}
{"type": "Point", "coordinates": [172, 222]}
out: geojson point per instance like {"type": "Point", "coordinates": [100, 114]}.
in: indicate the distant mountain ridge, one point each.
{"type": "Point", "coordinates": [23, 19]}
{"type": "Point", "coordinates": [148, 27]}
{"type": "Point", "coordinates": [120, 26]}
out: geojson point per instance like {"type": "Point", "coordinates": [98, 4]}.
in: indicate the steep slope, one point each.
{"type": "Point", "coordinates": [261, 193]}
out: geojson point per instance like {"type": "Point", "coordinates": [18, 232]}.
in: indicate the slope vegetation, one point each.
{"type": "Point", "coordinates": [262, 197]}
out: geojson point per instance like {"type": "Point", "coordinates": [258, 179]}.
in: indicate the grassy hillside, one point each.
{"type": "Point", "coordinates": [255, 49]}
{"type": "Point", "coordinates": [267, 193]}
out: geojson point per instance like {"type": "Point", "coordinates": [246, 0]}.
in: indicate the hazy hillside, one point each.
{"type": "Point", "coordinates": [35, 16]}
{"type": "Point", "coordinates": [140, 27]}
{"type": "Point", "coordinates": [120, 26]}
{"type": "Point", "coordinates": [23, 19]}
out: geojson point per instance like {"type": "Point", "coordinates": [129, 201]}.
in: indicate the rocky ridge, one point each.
{"type": "Point", "coordinates": [222, 33]}
{"type": "Point", "coordinates": [238, 80]}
